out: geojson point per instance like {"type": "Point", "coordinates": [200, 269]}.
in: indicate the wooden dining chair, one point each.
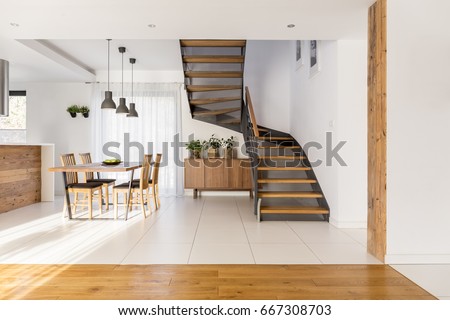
{"type": "Point", "coordinates": [140, 188]}
{"type": "Point", "coordinates": [90, 177]}
{"type": "Point", "coordinates": [147, 158]}
{"type": "Point", "coordinates": [153, 182]}
{"type": "Point", "coordinates": [73, 186]}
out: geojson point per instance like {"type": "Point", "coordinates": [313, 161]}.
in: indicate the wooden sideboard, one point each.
{"type": "Point", "coordinates": [216, 174]}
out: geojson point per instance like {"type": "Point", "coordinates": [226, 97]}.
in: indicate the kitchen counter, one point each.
{"type": "Point", "coordinates": [24, 178]}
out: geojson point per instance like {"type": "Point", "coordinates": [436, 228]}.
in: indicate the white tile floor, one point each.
{"type": "Point", "coordinates": [433, 278]}
{"type": "Point", "coordinates": [208, 230]}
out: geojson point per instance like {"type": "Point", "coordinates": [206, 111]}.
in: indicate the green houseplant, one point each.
{"type": "Point", "coordinates": [73, 110]}
{"type": "Point", "coordinates": [228, 145]}
{"type": "Point", "coordinates": [195, 148]}
{"type": "Point", "coordinates": [213, 145]}
{"type": "Point", "coordinates": [84, 110]}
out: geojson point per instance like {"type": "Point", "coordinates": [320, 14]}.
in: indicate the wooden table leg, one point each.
{"type": "Point", "coordinates": [129, 194]}
{"type": "Point", "coordinates": [68, 205]}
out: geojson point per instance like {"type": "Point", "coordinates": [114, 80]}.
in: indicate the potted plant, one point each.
{"type": "Point", "coordinates": [84, 110]}
{"type": "Point", "coordinates": [73, 110]}
{"type": "Point", "coordinates": [195, 148]}
{"type": "Point", "coordinates": [228, 146]}
{"type": "Point", "coordinates": [213, 145]}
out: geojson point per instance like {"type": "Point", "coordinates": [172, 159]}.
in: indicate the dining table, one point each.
{"type": "Point", "coordinates": [97, 167]}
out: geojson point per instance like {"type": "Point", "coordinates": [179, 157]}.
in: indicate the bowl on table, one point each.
{"type": "Point", "coordinates": [111, 162]}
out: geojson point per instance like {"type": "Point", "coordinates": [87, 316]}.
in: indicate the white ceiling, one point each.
{"type": "Point", "coordinates": [149, 54]}
{"type": "Point", "coordinates": [72, 20]}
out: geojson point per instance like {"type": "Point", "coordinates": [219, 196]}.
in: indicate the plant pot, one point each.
{"type": "Point", "coordinates": [228, 153]}
{"type": "Point", "coordinates": [86, 115]}
{"type": "Point", "coordinates": [213, 153]}
{"type": "Point", "coordinates": [73, 114]}
{"type": "Point", "coordinates": [197, 154]}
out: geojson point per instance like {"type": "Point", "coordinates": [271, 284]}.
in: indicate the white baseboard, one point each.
{"type": "Point", "coordinates": [348, 224]}
{"type": "Point", "coordinates": [417, 259]}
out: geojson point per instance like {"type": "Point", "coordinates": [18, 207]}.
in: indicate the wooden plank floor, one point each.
{"type": "Point", "coordinates": [272, 282]}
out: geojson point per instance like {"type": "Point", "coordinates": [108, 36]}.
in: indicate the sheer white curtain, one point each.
{"type": "Point", "coordinates": [154, 131]}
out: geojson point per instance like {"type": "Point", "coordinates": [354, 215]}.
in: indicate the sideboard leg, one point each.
{"type": "Point", "coordinates": [195, 193]}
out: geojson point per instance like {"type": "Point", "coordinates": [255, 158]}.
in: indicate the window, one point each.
{"type": "Point", "coordinates": [13, 128]}
{"type": "Point", "coordinates": [154, 131]}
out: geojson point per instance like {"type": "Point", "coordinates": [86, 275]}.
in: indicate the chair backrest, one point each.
{"type": "Point", "coordinates": [155, 171]}
{"type": "Point", "coordinates": [143, 182]}
{"type": "Point", "coordinates": [148, 158]}
{"type": "Point", "coordinates": [85, 159]}
{"type": "Point", "coordinates": [69, 160]}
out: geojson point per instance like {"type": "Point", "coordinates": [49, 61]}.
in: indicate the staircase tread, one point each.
{"type": "Point", "coordinates": [274, 138]}
{"type": "Point", "coordinates": [213, 74]}
{"type": "Point", "coordinates": [212, 43]}
{"type": "Point", "coordinates": [215, 112]}
{"type": "Point", "coordinates": [293, 209]}
{"type": "Point", "coordinates": [286, 180]}
{"type": "Point", "coordinates": [213, 59]}
{"type": "Point", "coordinates": [203, 88]}
{"type": "Point", "coordinates": [267, 168]}
{"type": "Point", "coordinates": [289, 194]}
{"type": "Point", "coordinates": [213, 100]}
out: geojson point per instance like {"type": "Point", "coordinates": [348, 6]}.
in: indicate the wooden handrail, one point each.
{"type": "Point", "coordinates": [251, 112]}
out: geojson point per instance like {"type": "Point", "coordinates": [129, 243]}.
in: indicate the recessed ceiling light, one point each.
{"type": "Point", "coordinates": [15, 25]}
{"type": "Point", "coordinates": [151, 25]}
{"type": "Point", "coordinates": [291, 25]}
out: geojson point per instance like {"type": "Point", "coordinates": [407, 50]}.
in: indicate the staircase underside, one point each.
{"type": "Point", "coordinates": [214, 71]}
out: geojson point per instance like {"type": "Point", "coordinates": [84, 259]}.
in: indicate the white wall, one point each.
{"type": "Point", "coordinates": [314, 103]}
{"type": "Point", "coordinates": [351, 126]}
{"type": "Point", "coordinates": [49, 122]}
{"type": "Point", "coordinates": [142, 75]}
{"type": "Point", "coordinates": [334, 100]}
{"type": "Point", "coordinates": [267, 69]}
{"type": "Point", "coordinates": [418, 153]}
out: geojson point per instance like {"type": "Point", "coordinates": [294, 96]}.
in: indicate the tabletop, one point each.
{"type": "Point", "coordinates": [98, 167]}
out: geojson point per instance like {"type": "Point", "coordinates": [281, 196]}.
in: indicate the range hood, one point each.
{"type": "Point", "coordinates": [4, 88]}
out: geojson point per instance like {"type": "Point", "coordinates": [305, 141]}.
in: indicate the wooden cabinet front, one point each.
{"type": "Point", "coordinates": [194, 174]}
{"type": "Point", "coordinates": [246, 174]}
{"type": "Point", "coordinates": [217, 174]}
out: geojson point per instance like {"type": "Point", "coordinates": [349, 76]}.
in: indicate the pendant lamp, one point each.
{"type": "Point", "coordinates": [108, 103]}
{"type": "Point", "coordinates": [122, 108]}
{"type": "Point", "coordinates": [133, 113]}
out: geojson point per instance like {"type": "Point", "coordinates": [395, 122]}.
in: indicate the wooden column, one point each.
{"type": "Point", "coordinates": [20, 176]}
{"type": "Point", "coordinates": [376, 218]}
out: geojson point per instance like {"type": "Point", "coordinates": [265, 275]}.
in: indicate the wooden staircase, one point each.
{"type": "Point", "coordinates": [284, 182]}
{"type": "Point", "coordinates": [214, 71]}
